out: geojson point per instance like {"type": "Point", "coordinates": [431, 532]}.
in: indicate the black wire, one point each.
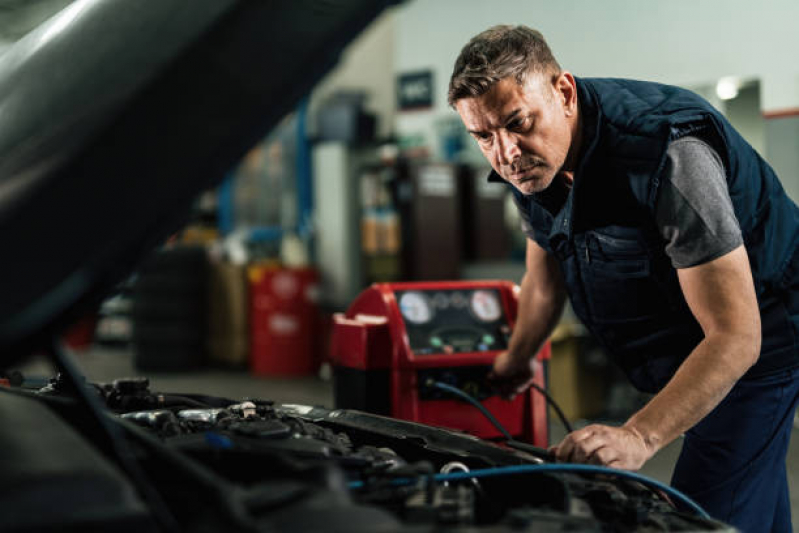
{"type": "Point", "coordinates": [510, 441]}
{"type": "Point", "coordinates": [467, 398]}
{"type": "Point", "coordinates": [555, 406]}
{"type": "Point", "coordinates": [529, 448]}
{"type": "Point", "coordinates": [174, 400]}
{"type": "Point", "coordinates": [119, 445]}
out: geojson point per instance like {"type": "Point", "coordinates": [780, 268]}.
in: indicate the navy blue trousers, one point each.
{"type": "Point", "coordinates": [733, 462]}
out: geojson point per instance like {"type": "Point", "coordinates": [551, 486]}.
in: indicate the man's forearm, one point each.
{"type": "Point", "coordinates": [698, 386]}
{"type": "Point", "coordinates": [721, 296]}
{"type": "Point", "coordinates": [537, 316]}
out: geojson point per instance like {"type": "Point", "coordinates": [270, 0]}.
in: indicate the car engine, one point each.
{"type": "Point", "coordinates": [207, 463]}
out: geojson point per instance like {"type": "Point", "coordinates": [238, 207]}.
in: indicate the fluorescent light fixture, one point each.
{"type": "Point", "coordinates": [727, 87]}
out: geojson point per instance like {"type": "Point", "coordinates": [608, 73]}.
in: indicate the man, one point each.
{"type": "Point", "coordinates": [677, 247]}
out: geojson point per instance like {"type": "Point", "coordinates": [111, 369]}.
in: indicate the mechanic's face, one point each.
{"type": "Point", "coordinates": [529, 133]}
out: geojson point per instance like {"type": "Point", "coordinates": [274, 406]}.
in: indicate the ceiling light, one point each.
{"type": "Point", "coordinates": [727, 88]}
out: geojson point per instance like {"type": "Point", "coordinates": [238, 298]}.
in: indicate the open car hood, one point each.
{"type": "Point", "coordinates": [114, 115]}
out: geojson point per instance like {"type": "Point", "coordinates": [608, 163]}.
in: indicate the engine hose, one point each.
{"type": "Point", "coordinates": [551, 401]}
{"type": "Point", "coordinates": [464, 396]}
{"type": "Point", "coordinates": [467, 398]}
{"type": "Point", "coordinates": [678, 496]}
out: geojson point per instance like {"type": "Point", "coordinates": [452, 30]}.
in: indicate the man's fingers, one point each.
{"type": "Point", "coordinates": [578, 445]}
{"type": "Point", "coordinates": [506, 391]}
{"type": "Point", "coordinates": [509, 386]}
{"type": "Point", "coordinates": [565, 449]}
{"type": "Point", "coordinates": [585, 449]}
{"type": "Point", "coordinates": [523, 386]}
{"type": "Point", "coordinates": [603, 456]}
{"type": "Point", "coordinates": [603, 445]}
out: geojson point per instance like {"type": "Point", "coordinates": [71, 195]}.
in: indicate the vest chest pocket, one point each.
{"type": "Point", "coordinates": [617, 277]}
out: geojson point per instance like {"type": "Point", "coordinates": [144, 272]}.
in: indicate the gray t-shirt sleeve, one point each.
{"type": "Point", "coordinates": [693, 210]}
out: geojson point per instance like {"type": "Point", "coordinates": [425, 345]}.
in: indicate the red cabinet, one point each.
{"type": "Point", "coordinates": [284, 321]}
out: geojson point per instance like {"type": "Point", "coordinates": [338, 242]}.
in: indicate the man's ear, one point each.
{"type": "Point", "coordinates": [566, 89]}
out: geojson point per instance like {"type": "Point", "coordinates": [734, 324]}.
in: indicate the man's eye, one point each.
{"type": "Point", "coordinates": [482, 137]}
{"type": "Point", "coordinates": [519, 124]}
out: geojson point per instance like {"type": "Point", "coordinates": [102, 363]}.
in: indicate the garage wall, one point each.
{"type": "Point", "coordinates": [683, 42]}
{"type": "Point", "coordinates": [782, 140]}
{"type": "Point", "coordinates": [367, 65]}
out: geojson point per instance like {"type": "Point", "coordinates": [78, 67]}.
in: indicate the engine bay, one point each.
{"type": "Point", "coordinates": [200, 463]}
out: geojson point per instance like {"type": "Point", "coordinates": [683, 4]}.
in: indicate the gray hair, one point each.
{"type": "Point", "coordinates": [497, 53]}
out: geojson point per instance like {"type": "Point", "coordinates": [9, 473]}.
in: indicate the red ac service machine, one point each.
{"type": "Point", "coordinates": [398, 337]}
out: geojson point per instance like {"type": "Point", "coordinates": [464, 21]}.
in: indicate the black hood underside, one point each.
{"type": "Point", "coordinates": [116, 114]}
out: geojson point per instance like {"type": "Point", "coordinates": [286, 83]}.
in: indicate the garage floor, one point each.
{"type": "Point", "coordinates": [102, 365]}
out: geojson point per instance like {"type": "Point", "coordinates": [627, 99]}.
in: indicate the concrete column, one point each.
{"type": "Point", "coordinates": [337, 215]}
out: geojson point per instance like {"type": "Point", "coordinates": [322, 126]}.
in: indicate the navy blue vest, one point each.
{"type": "Point", "coordinates": [619, 279]}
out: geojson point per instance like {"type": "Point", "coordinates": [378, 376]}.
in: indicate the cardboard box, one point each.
{"type": "Point", "coordinates": [579, 392]}
{"type": "Point", "coordinates": [227, 339]}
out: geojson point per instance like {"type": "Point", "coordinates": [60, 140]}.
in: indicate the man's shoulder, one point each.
{"type": "Point", "coordinates": [643, 108]}
{"type": "Point", "coordinates": [642, 95]}
{"type": "Point", "coordinates": [630, 84]}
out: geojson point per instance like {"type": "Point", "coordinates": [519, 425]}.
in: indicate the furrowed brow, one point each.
{"type": "Point", "coordinates": [505, 120]}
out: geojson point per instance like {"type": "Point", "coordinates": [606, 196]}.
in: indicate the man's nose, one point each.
{"type": "Point", "coordinates": [508, 148]}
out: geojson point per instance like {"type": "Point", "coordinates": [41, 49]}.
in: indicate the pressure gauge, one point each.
{"type": "Point", "coordinates": [415, 307]}
{"type": "Point", "coordinates": [485, 306]}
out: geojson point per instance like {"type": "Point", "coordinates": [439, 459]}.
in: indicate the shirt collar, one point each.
{"type": "Point", "coordinates": [493, 177]}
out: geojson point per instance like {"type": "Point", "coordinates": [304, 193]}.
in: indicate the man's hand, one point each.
{"type": "Point", "coordinates": [512, 375]}
{"type": "Point", "coordinates": [616, 447]}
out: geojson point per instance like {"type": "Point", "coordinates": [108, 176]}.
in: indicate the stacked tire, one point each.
{"type": "Point", "coordinates": [169, 310]}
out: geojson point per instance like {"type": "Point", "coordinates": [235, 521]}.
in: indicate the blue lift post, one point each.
{"type": "Point", "coordinates": [304, 175]}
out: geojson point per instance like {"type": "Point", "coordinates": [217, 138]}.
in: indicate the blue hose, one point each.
{"type": "Point", "coordinates": [569, 468]}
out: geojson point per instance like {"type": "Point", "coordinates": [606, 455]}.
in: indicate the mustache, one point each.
{"type": "Point", "coordinates": [526, 163]}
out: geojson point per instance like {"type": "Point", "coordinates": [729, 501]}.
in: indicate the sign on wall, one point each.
{"type": "Point", "coordinates": [415, 90]}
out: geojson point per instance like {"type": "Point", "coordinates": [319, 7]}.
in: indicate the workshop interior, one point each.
{"type": "Point", "coordinates": [254, 277]}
